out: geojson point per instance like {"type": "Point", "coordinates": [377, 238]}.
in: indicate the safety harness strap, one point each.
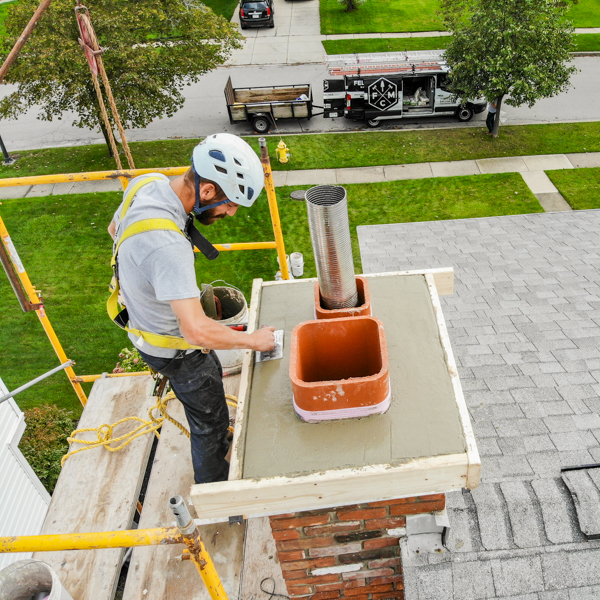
{"type": "Point", "coordinates": [116, 312]}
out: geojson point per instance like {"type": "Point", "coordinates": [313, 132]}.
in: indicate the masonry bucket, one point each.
{"type": "Point", "coordinates": [339, 369]}
{"type": "Point", "coordinates": [31, 580]}
{"type": "Point", "coordinates": [362, 308]}
{"type": "Point", "coordinates": [234, 312]}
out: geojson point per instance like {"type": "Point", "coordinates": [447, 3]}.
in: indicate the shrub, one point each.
{"type": "Point", "coordinates": [131, 362]}
{"type": "Point", "coordinates": [44, 441]}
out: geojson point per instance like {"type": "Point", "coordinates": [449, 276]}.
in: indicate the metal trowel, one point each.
{"type": "Point", "coordinates": [274, 354]}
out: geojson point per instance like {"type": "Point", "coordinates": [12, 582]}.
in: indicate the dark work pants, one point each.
{"type": "Point", "coordinates": [490, 121]}
{"type": "Point", "coordinates": [197, 380]}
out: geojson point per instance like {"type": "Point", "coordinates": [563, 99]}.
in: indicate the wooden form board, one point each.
{"type": "Point", "coordinates": [156, 571]}
{"type": "Point", "coordinates": [97, 490]}
{"type": "Point", "coordinates": [276, 495]}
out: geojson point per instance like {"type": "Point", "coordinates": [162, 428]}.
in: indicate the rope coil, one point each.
{"type": "Point", "coordinates": [105, 432]}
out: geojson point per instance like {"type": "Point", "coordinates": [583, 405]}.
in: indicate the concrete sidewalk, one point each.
{"type": "Point", "coordinates": [532, 169]}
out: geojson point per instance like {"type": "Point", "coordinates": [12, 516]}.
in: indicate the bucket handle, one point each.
{"type": "Point", "coordinates": [227, 284]}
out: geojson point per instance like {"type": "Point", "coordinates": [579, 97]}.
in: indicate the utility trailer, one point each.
{"type": "Point", "coordinates": [263, 106]}
{"type": "Point", "coordinates": [380, 86]}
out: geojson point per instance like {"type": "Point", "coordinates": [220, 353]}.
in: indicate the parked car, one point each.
{"type": "Point", "coordinates": [256, 13]}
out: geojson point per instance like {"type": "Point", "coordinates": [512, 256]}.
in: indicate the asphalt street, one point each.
{"type": "Point", "coordinates": [205, 111]}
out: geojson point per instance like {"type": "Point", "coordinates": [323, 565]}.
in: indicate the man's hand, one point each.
{"type": "Point", "coordinates": [263, 339]}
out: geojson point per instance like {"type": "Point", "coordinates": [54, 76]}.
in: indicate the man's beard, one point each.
{"type": "Point", "coordinates": [208, 217]}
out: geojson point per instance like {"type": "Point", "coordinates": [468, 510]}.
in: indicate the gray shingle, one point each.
{"type": "Point", "coordinates": [473, 580]}
{"type": "Point", "coordinates": [526, 525]}
{"type": "Point", "coordinates": [493, 526]}
{"type": "Point", "coordinates": [514, 576]}
{"type": "Point", "coordinates": [557, 511]}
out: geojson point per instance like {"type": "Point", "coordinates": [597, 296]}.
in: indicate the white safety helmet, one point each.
{"type": "Point", "coordinates": [229, 161]}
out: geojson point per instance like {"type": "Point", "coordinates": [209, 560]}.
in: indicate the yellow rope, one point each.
{"type": "Point", "coordinates": [105, 431]}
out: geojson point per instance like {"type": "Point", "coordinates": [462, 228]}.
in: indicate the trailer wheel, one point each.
{"type": "Point", "coordinates": [464, 113]}
{"type": "Point", "coordinates": [261, 124]}
{"type": "Point", "coordinates": [373, 123]}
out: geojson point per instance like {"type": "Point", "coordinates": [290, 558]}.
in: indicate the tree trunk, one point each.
{"type": "Point", "coordinates": [350, 6]}
{"type": "Point", "coordinates": [497, 119]}
{"type": "Point", "coordinates": [94, 99]}
{"type": "Point", "coordinates": [106, 138]}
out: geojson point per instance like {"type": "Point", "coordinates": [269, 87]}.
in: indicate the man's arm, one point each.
{"type": "Point", "coordinates": [200, 330]}
{"type": "Point", "coordinates": [111, 229]}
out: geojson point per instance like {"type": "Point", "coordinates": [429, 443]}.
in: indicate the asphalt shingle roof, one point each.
{"type": "Point", "coordinates": [525, 329]}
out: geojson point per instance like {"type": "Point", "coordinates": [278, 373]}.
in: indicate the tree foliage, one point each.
{"type": "Point", "coordinates": [153, 48]}
{"type": "Point", "coordinates": [351, 5]}
{"type": "Point", "coordinates": [518, 49]}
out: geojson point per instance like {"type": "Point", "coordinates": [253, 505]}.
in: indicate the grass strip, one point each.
{"type": "Point", "coordinates": [585, 42]}
{"type": "Point", "coordinates": [3, 13]}
{"type": "Point", "coordinates": [63, 243]}
{"type": "Point", "coordinates": [225, 8]}
{"type": "Point", "coordinates": [579, 187]}
{"type": "Point", "coordinates": [330, 151]}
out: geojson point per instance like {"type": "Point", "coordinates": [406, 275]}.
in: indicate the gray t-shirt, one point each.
{"type": "Point", "coordinates": [155, 266]}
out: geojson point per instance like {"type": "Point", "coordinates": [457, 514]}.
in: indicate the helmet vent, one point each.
{"type": "Point", "coordinates": [241, 188]}
{"type": "Point", "coordinates": [218, 155]}
{"type": "Point", "coordinates": [250, 193]}
{"type": "Point", "coordinates": [240, 176]}
{"type": "Point", "coordinates": [221, 169]}
{"type": "Point", "coordinates": [237, 162]}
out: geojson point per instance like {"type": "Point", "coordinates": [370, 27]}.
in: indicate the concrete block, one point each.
{"type": "Point", "coordinates": [553, 202]}
{"type": "Point", "coordinates": [514, 576]}
{"type": "Point", "coordinates": [455, 168]}
{"type": "Point", "coordinates": [20, 191]}
{"type": "Point", "coordinates": [538, 182]}
{"type": "Point", "coordinates": [526, 526]}
{"type": "Point", "coordinates": [87, 187]}
{"type": "Point", "coordinates": [414, 171]}
{"type": "Point", "coordinates": [547, 162]}
{"type": "Point", "coordinates": [311, 177]}
{"type": "Point", "coordinates": [502, 165]}
{"type": "Point", "coordinates": [359, 175]}
{"type": "Point", "coordinates": [584, 159]}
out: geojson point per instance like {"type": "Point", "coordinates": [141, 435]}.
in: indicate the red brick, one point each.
{"type": "Point", "coordinates": [329, 587]}
{"type": "Point", "coordinates": [320, 579]}
{"type": "Point", "coordinates": [385, 595]}
{"type": "Point", "coordinates": [291, 556]}
{"type": "Point", "coordinates": [295, 574]}
{"type": "Point", "coordinates": [391, 502]}
{"type": "Point", "coordinates": [300, 522]}
{"type": "Point", "coordinates": [332, 528]}
{"type": "Point", "coordinates": [380, 543]}
{"type": "Point", "coordinates": [284, 516]}
{"type": "Point", "coordinates": [299, 590]}
{"type": "Point", "coordinates": [416, 508]}
{"type": "Point", "coordinates": [368, 574]}
{"type": "Point", "coordinates": [432, 497]}
{"type": "Point", "coordinates": [368, 513]}
{"type": "Point", "coordinates": [325, 595]}
{"type": "Point", "coordinates": [397, 579]}
{"type": "Point", "coordinates": [315, 542]}
{"type": "Point", "coordinates": [371, 589]}
{"type": "Point", "coordinates": [336, 549]}
{"type": "Point", "coordinates": [309, 564]}
{"type": "Point", "coordinates": [286, 534]}
{"type": "Point", "coordinates": [363, 597]}
{"type": "Point", "coordinates": [389, 523]}
{"type": "Point", "coordinates": [384, 562]}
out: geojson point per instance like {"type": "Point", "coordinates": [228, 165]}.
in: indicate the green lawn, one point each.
{"type": "Point", "coordinates": [579, 187]}
{"type": "Point", "coordinates": [225, 8]}
{"type": "Point", "coordinates": [586, 42]}
{"type": "Point", "coordinates": [387, 16]}
{"type": "Point", "coordinates": [327, 151]}
{"type": "Point", "coordinates": [64, 246]}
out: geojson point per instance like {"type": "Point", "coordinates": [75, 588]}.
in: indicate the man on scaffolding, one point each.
{"type": "Point", "coordinates": [156, 280]}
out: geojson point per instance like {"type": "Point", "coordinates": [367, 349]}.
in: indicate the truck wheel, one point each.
{"type": "Point", "coordinates": [244, 26]}
{"type": "Point", "coordinates": [373, 123]}
{"type": "Point", "coordinates": [261, 124]}
{"type": "Point", "coordinates": [272, 23]}
{"type": "Point", "coordinates": [464, 113]}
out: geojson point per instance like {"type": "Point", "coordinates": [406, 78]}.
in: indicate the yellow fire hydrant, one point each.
{"type": "Point", "coordinates": [283, 154]}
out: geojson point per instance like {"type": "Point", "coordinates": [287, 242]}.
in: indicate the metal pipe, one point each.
{"type": "Point", "coordinates": [198, 554]}
{"type": "Point", "coordinates": [36, 380]}
{"type": "Point", "coordinates": [273, 208]}
{"type": "Point", "coordinates": [7, 159]}
{"type": "Point", "coordinates": [12, 56]}
{"type": "Point", "coordinates": [327, 209]}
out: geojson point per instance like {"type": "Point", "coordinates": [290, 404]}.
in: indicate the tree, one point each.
{"type": "Point", "coordinates": [351, 5]}
{"type": "Point", "coordinates": [153, 48]}
{"type": "Point", "coordinates": [518, 49]}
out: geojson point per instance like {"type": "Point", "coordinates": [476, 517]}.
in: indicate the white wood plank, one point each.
{"type": "Point", "coordinates": [474, 461]}
{"type": "Point", "coordinates": [444, 278]}
{"type": "Point", "coordinates": [155, 571]}
{"type": "Point", "coordinates": [239, 437]}
{"type": "Point", "coordinates": [97, 490]}
{"type": "Point", "coordinates": [278, 495]}
{"type": "Point", "coordinates": [260, 560]}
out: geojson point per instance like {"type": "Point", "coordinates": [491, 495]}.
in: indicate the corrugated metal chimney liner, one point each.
{"type": "Point", "coordinates": [327, 208]}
